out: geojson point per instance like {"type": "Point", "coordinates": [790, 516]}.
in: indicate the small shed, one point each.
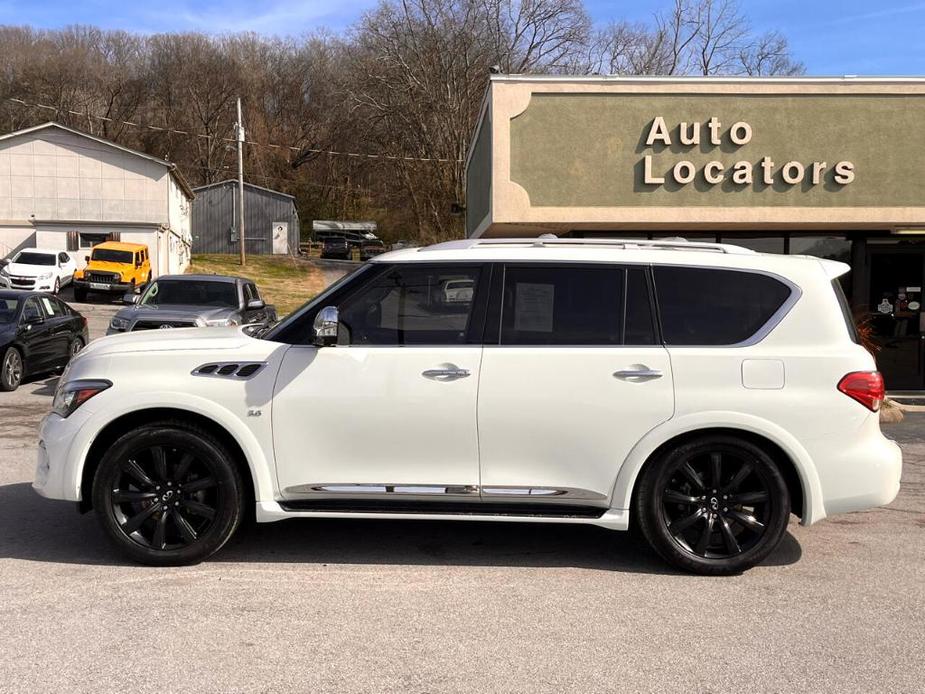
{"type": "Point", "coordinates": [271, 222]}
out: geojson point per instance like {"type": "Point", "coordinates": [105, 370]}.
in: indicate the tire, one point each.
{"type": "Point", "coordinates": [76, 345]}
{"type": "Point", "coordinates": [12, 370]}
{"type": "Point", "coordinates": [708, 517]}
{"type": "Point", "coordinates": [80, 294]}
{"type": "Point", "coordinates": [133, 490]}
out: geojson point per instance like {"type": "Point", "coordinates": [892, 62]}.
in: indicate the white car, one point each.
{"type": "Point", "coordinates": [458, 291]}
{"type": "Point", "coordinates": [702, 391]}
{"type": "Point", "coordinates": [38, 269]}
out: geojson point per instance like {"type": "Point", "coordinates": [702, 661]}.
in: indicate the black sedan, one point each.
{"type": "Point", "coordinates": [38, 333]}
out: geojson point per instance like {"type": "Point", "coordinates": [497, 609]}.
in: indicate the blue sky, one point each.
{"type": "Point", "coordinates": [832, 37]}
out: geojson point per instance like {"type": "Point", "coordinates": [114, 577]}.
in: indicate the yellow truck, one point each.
{"type": "Point", "coordinates": [113, 267]}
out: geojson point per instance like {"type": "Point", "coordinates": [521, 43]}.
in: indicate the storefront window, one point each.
{"type": "Point", "coordinates": [831, 247]}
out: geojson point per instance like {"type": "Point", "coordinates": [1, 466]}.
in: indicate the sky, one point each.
{"type": "Point", "coordinates": [831, 37]}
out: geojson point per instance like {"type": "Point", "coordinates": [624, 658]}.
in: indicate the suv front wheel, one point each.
{"type": "Point", "coordinates": [168, 495]}
{"type": "Point", "coordinates": [716, 505]}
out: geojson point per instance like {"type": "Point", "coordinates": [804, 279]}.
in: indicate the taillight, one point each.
{"type": "Point", "coordinates": [864, 386]}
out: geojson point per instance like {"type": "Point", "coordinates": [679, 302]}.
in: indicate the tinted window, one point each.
{"type": "Point", "coordinates": [715, 307]}
{"type": "Point", "coordinates": [109, 255]}
{"type": "Point", "coordinates": [52, 308]}
{"type": "Point", "coordinates": [31, 311]}
{"type": "Point", "coordinates": [639, 325]}
{"type": "Point", "coordinates": [562, 306]}
{"type": "Point", "coordinates": [8, 308]}
{"type": "Point", "coordinates": [250, 292]}
{"type": "Point", "coordinates": [33, 258]}
{"type": "Point", "coordinates": [411, 305]}
{"type": "Point", "coordinates": [190, 292]}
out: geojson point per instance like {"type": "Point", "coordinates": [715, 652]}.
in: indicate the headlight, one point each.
{"type": "Point", "coordinates": [72, 395]}
{"type": "Point", "coordinates": [118, 323]}
{"type": "Point", "coordinates": [44, 276]}
{"type": "Point", "coordinates": [222, 321]}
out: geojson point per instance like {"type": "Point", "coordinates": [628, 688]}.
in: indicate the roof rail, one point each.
{"type": "Point", "coordinates": [674, 244]}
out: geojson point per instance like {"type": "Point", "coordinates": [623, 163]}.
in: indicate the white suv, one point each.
{"type": "Point", "coordinates": [702, 392]}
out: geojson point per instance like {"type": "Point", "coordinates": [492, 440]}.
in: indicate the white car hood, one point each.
{"type": "Point", "coordinates": [175, 339]}
{"type": "Point", "coordinates": [23, 270]}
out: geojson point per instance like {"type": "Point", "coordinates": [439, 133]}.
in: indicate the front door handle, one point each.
{"type": "Point", "coordinates": [637, 374]}
{"type": "Point", "coordinates": [446, 372]}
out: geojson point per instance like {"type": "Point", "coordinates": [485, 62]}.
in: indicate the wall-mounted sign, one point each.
{"type": "Point", "coordinates": [745, 172]}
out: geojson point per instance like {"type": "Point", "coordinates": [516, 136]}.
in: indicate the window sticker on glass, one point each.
{"type": "Point", "coordinates": [49, 309]}
{"type": "Point", "coordinates": [533, 307]}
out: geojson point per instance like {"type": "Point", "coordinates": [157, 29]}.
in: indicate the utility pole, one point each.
{"type": "Point", "coordinates": [239, 136]}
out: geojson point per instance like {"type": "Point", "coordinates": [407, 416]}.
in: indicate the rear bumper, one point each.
{"type": "Point", "coordinates": [861, 476]}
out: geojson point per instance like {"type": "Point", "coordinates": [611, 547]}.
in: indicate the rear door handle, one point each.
{"type": "Point", "coordinates": [637, 374]}
{"type": "Point", "coordinates": [449, 372]}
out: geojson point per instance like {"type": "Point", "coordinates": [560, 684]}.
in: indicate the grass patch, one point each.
{"type": "Point", "coordinates": [283, 281]}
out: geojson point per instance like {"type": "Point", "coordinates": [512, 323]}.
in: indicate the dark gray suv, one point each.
{"type": "Point", "coordinates": [191, 301]}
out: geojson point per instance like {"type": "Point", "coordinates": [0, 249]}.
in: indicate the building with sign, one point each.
{"type": "Point", "coordinates": [831, 167]}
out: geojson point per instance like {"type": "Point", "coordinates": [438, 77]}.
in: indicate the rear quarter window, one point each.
{"type": "Point", "coordinates": [706, 306]}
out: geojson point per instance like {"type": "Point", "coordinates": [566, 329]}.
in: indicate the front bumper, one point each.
{"type": "Point", "coordinates": [57, 465]}
{"type": "Point", "coordinates": [110, 287]}
{"type": "Point", "coordinates": [28, 284]}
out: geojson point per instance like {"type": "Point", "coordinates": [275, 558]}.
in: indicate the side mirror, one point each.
{"type": "Point", "coordinates": [325, 326]}
{"type": "Point", "coordinates": [4, 262]}
{"type": "Point", "coordinates": [130, 298]}
{"type": "Point", "coordinates": [257, 304]}
{"type": "Point", "coordinates": [87, 258]}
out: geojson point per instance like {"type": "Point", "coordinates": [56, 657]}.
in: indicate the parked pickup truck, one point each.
{"type": "Point", "coordinates": [193, 301]}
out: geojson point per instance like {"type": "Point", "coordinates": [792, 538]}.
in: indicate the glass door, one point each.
{"type": "Point", "coordinates": [896, 316]}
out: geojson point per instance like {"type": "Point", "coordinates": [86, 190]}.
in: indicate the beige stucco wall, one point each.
{"type": "Point", "coordinates": [56, 175]}
{"type": "Point", "coordinates": [569, 154]}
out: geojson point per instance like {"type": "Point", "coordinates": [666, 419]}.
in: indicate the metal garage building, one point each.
{"type": "Point", "coordinates": [271, 222]}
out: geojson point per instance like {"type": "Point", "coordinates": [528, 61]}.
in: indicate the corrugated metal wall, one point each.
{"type": "Point", "coordinates": [214, 215]}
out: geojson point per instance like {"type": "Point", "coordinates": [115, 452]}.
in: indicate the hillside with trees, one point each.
{"type": "Point", "coordinates": [373, 123]}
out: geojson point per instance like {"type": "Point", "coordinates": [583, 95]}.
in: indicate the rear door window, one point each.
{"type": "Point", "coordinates": [548, 305]}
{"type": "Point", "coordinates": [707, 306]}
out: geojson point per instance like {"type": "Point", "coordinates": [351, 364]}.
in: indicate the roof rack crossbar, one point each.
{"type": "Point", "coordinates": [679, 244]}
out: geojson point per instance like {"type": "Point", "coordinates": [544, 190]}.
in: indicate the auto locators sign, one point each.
{"type": "Point", "coordinates": [743, 172]}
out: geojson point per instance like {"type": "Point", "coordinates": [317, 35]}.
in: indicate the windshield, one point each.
{"type": "Point", "coordinates": [108, 255]}
{"type": "Point", "coordinates": [292, 320]}
{"type": "Point", "coordinates": [8, 308]}
{"type": "Point", "coordinates": [32, 258]}
{"type": "Point", "coordinates": [191, 292]}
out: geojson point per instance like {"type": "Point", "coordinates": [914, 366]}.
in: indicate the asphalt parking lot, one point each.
{"type": "Point", "coordinates": [426, 607]}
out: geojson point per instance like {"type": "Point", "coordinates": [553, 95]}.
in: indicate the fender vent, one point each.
{"type": "Point", "coordinates": [230, 369]}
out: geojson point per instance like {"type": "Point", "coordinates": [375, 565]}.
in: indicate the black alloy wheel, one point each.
{"type": "Point", "coordinates": [168, 494]}
{"type": "Point", "coordinates": [718, 505]}
{"type": "Point", "coordinates": [11, 370]}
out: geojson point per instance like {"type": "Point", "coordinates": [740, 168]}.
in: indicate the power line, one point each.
{"type": "Point", "coordinates": [267, 145]}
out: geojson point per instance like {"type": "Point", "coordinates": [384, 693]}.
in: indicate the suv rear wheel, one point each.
{"type": "Point", "coordinates": [168, 495]}
{"type": "Point", "coordinates": [717, 505]}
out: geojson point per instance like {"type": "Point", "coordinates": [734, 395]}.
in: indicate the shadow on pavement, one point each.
{"type": "Point", "coordinates": [35, 529]}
